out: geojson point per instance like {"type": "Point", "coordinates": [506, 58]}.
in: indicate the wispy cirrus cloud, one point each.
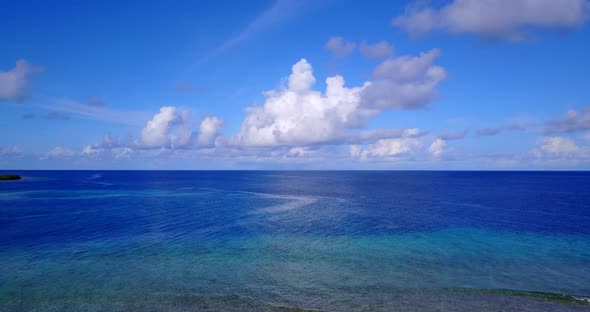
{"type": "Point", "coordinates": [10, 152]}
{"type": "Point", "coordinates": [100, 113]}
{"type": "Point", "coordinates": [28, 116]}
{"type": "Point", "coordinates": [281, 11]}
{"type": "Point", "coordinates": [58, 116]}
{"type": "Point", "coordinates": [488, 131]}
{"type": "Point", "coordinates": [493, 131]}
{"type": "Point", "coordinates": [96, 101]}
{"type": "Point", "coordinates": [188, 88]}
{"type": "Point", "coordinates": [448, 136]}
{"type": "Point", "coordinates": [573, 121]}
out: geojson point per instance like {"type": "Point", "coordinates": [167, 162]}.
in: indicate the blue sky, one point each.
{"type": "Point", "coordinates": [459, 84]}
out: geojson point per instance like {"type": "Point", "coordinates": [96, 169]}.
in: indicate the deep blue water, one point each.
{"type": "Point", "coordinates": [254, 240]}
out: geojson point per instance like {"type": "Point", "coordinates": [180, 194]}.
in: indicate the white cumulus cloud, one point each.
{"type": "Point", "coordinates": [295, 152]}
{"type": "Point", "coordinates": [209, 130]}
{"type": "Point", "coordinates": [510, 20]}
{"type": "Point", "coordinates": [406, 82]}
{"type": "Point", "coordinates": [437, 148]}
{"type": "Point", "coordinates": [296, 115]}
{"type": "Point", "coordinates": [170, 127]}
{"type": "Point", "coordinates": [59, 152]}
{"type": "Point", "coordinates": [339, 47]}
{"type": "Point", "coordinates": [123, 153]}
{"type": "Point", "coordinates": [90, 151]}
{"type": "Point", "coordinates": [386, 148]}
{"type": "Point", "coordinates": [559, 146]}
{"type": "Point", "coordinates": [295, 121]}
{"type": "Point", "coordinates": [379, 50]}
{"type": "Point", "coordinates": [15, 82]}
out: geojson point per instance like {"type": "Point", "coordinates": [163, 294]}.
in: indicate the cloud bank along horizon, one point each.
{"type": "Point", "coordinates": [302, 124]}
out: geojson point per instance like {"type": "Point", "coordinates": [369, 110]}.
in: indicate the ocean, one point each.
{"type": "Point", "coordinates": [295, 240]}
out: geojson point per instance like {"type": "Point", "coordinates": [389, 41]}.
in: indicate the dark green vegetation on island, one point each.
{"type": "Point", "coordinates": [9, 177]}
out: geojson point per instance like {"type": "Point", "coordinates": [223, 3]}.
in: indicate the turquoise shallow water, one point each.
{"type": "Point", "coordinates": [324, 241]}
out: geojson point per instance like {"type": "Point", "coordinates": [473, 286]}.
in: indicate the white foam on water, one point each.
{"type": "Point", "coordinates": [95, 176]}
{"type": "Point", "coordinates": [294, 202]}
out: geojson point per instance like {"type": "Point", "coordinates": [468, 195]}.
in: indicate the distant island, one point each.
{"type": "Point", "coordinates": [9, 177]}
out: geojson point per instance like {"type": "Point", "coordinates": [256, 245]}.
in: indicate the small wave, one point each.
{"type": "Point", "coordinates": [14, 195]}
{"type": "Point", "coordinates": [95, 176]}
{"type": "Point", "coordinates": [549, 296]}
{"type": "Point", "coordinates": [462, 204]}
{"type": "Point", "coordinates": [294, 202]}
